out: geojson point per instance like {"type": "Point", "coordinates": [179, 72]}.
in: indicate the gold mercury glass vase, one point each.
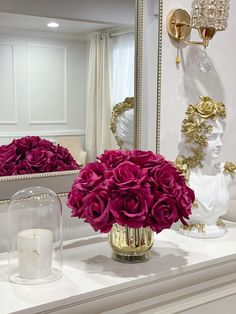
{"type": "Point", "coordinates": [131, 245]}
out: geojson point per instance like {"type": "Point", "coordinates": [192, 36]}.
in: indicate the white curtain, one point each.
{"type": "Point", "coordinates": [110, 81]}
{"type": "Point", "coordinates": [98, 134]}
{"type": "Point", "coordinates": [122, 67]}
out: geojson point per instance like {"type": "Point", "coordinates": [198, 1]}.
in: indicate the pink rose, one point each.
{"type": "Point", "coordinates": [26, 143]}
{"type": "Point", "coordinates": [96, 212]}
{"type": "Point", "coordinates": [24, 167]}
{"type": "Point", "coordinates": [39, 159]}
{"type": "Point", "coordinates": [64, 155]}
{"type": "Point", "coordinates": [112, 158]}
{"type": "Point", "coordinates": [184, 202]}
{"type": "Point", "coordinates": [75, 201]}
{"type": "Point", "coordinates": [130, 207]}
{"type": "Point", "coordinates": [8, 160]}
{"type": "Point", "coordinates": [90, 176]}
{"type": "Point", "coordinates": [165, 179]}
{"type": "Point", "coordinates": [128, 175]}
{"type": "Point", "coordinates": [31, 154]}
{"type": "Point", "coordinates": [163, 212]}
{"type": "Point", "coordinates": [8, 169]}
{"type": "Point", "coordinates": [47, 145]}
{"type": "Point", "coordinates": [145, 159]}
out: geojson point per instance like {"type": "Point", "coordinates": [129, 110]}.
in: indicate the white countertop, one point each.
{"type": "Point", "coordinates": [89, 271]}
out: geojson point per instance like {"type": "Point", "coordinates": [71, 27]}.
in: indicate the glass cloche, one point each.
{"type": "Point", "coordinates": [35, 236]}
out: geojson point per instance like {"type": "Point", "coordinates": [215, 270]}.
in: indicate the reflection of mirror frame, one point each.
{"type": "Point", "coordinates": [60, 182]}
{"type": "Point", "coordinates": [138, 72]}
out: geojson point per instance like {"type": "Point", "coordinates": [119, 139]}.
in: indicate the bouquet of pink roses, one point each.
{"type": "Point", "coordinates": [131, 188]}
{"type": "Point", "coordinates": [31, 154]}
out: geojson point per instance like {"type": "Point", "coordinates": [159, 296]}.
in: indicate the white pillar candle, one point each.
{"type": "Point", "coordinates": [34, 253]}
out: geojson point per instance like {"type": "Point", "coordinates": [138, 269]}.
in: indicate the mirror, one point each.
{"type": "Point", "coordinates": [44, 77]}
{"type": "Point", "coordinates": [44, 72]}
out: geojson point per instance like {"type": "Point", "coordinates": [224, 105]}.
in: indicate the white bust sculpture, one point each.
{"type": "Point", "coordinates": [122, 123]}
{"type": "Point", "coordinates": [201, 143]}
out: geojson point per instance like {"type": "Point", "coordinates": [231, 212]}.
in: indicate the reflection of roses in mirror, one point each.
{"type": "Point", "coordinates": [140, 189]}
{"type": "Point", "coordinates": [31, 154]}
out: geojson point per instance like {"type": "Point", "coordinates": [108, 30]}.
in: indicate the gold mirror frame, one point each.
{"type": "Point", "coordinates": [159, 67]}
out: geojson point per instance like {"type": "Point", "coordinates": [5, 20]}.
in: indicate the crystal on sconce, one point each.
{"type": "Point", "coordinates": [210, 13]}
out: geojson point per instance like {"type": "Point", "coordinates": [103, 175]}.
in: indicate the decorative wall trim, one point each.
{"type": "Point", "coordinates": [64, 121]}
{"type": "Point", "coordinates": [12, 122]}
{"type": "Point", "coordinates": [43, 133]}
{"type": "Point", "coordinates": [159, 66]}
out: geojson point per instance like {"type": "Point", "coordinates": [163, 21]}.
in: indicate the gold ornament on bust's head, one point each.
{"type": "Point", "coordinates": [195, 131]}
{"type": "Point", "coordinates": [117, 110]}
{"type": "Point", "coordinates": [207, 108]}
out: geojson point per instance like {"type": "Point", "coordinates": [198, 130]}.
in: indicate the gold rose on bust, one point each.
{"type": "Point", "coordinates": [207, 108]}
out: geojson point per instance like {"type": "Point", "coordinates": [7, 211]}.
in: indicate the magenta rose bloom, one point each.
{"type": "Point", "coordinates": [112, 158]}
{"type": "Point", "coordinates": [145, 159]}
{"type": "Point", "coordinates": [47, 145]}
{"type": "Point", "coordinates": [24, 167]}
{"type": "Point", "coordinates": [95, 211]}
{"type": "Point", "coordinates": [64, 155]}
{"type": "Point", "coordinates": [163, 212]}
{"type": "Point", "coordinates": [127, 175]}
{"type": "Point", "coordinates": [39, 159]}
{"type": "Point", "coordinates": [31, 154]}
{"type": "Point", "coordinates": [90, 176]}
{"type": "Point", "coordinates": [75, 201]}
{"type": "Point", "coordinates": [131, 188]}
{"type": "Point", "coordinates": [26, 143]}
{"type": "Point", "coordinates": [165, 179]}
{"type": "Point", "coordinates": [130, 207]}
{"type": "Point", "coordinates": [8, 160]}
{"type": "Point", "coordinates": [184, 202]}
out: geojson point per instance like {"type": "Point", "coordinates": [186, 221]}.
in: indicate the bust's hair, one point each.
{"type": "Point", "coordinates": [122, 123]}
{"type": "Point", "coordinates": [125, 128]}
{"type": "Point", "coordinates": [199, 122]}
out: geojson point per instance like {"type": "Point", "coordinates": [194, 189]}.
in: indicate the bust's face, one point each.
{"type": "Point", "coordinates": [215, 140]}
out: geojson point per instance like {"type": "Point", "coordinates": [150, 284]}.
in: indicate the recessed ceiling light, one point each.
{"type": "Point", "coordinates": [53, 25]}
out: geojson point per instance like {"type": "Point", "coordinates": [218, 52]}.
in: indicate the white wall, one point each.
{"type": "Point", "coordinates": [183, 84]}
{"type": "Point", "coordinates": [42, 87]}
{"type": "Point", "coordinates": [111, 11]}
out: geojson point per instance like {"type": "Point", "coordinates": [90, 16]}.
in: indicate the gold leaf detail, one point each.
{"type": "Point", "coordinates": [230, 168]}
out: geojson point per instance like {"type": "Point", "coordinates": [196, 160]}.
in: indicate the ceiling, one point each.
{"type": "Point", "coordinates": [35, 23]}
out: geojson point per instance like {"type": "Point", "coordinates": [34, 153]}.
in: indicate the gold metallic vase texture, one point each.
{"type": "Point", "coordinates": [131, 245]}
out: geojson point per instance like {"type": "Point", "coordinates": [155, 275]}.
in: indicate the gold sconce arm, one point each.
{"type": "Point", "coordinates": [178, 27]}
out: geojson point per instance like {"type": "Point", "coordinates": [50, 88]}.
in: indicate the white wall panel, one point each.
{"type": "Point", "coordinates": [182, 84]}
{"type": "Point", "coordinates": [47, 84]}
{"type": "Point", "coordinates": [7, 86]}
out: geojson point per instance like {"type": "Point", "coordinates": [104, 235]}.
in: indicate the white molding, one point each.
{"type": "Point", "coordinates": [15, 121]}
{"type": "Point", "coordinates": [43, 133]}
{"type": "Point", "coordinates": [64, 121]}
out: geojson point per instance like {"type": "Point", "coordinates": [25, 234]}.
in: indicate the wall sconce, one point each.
{"type": "Point", "coordinates": [207, 16]}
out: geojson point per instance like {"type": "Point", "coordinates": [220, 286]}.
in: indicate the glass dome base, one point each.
{"type": "Point", "coordinates": [15, 277]}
